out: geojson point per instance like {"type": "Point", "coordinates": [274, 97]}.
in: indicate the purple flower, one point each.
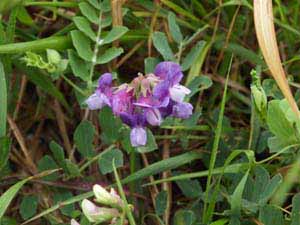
{"type": "Point", "coordinates": [133, 120]}
{"type": "Point", "coordinates": [103, 93]}
{"type": "Point", "coordinates": [169, 71]}
{"type": "Point", "coordinates": [138, 137]}
{"type": "Point", "coordinates": [169, 87]}
{"type": "Point", "coordinates": [147, 100]}
{"type": "Point", "coordinates": [122, 101]}
{"type": "Point", "coordinates": [97, 101]}
{"type": "Point", "coordinates": [153, 117]}
{"type": "Point", "coordinates": [182, 110]}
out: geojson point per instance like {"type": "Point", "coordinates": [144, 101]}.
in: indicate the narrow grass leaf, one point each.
{"type": "Point", "coordinates": [214, 152]}
{"type": "Point", "coordinates": [43, 82]}
{"type": "Point", "coordinates": [7, 197]}
{"type": "Point", "coordinates": [3, 101]}
{"type": "Point", "coordinates": [296, 210]}
{"type": "Point", "coordinates": [128, 211]}
{"type": "Point", "coordinates": [5, 143]}
{"type": "Point", "coordinates": [191, 57]}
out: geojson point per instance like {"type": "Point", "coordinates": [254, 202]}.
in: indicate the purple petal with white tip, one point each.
{"type": "Point", "coordinates": [178, 92]}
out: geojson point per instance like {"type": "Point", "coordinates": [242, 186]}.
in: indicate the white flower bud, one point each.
{"type": "Point", "coordinates": [97, 214]}
{"type": "Point", "coordinates": [106, 198]}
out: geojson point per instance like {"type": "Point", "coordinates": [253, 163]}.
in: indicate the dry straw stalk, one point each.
{"type": "Point", "coordinates": [265, 32]}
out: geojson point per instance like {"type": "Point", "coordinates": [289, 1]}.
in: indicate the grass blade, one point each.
{"type": "Point", "coordinates": [3, 101]}
{"type": "Point", "coordinates": [214, 152]}
{"type": "Point", "coordinates": [122, 194]}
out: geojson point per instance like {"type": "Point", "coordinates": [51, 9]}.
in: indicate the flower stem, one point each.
{"type": "Point", "coordinates": [96, 49]}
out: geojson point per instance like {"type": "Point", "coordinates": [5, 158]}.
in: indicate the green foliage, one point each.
{"type": "Point", "coordinates": [28, 206]}
{"type": "Point", "coordinates": [84, 137]}
{"type": "Point", "coordinates": [62, 46]}
{"type": "Point", "coordinates": [184, 217]}
{"type": "Point", "coordinates": [48, 163]}
{"type": "Point", "coordinates": [106, 160]}
{"type": "Point", "coordinates": [3, 101]}
{"type": "Point", "coordinates": [8, 196]}
{"type": "Point", "coordinates": [5, 144]}
{"type": "Point", "coordinates": [174, 28]}
{"type": "Point", "coordinates": [161, 203]}
{"type": "Point", "coordinates": [283, 124]}
{"type": "Point", "coordinates": [161, 44]}
{"type": "Point", "coordinates": [110, 125]}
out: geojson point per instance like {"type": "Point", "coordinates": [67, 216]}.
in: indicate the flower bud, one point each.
{"type": "Point", "coordinates": [106, 198]}
{"type": "Point", "coordinates": [53, 56]}
{"type": "Point", "coordinates": [97, 214]}
{"type": "Point", "coordinates": [259, 97]}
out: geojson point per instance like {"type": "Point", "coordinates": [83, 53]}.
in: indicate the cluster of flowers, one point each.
{"type": "Point", "coordinates": [96, 214]}
{"type": "Point", "coordinates": [147, 100]}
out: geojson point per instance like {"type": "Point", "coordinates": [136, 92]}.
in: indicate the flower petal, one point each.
{"type": "Point", "coordinates": [182, 110]}
{"type": "Point", "coordinates": [138, 137]}
{"type": "Point", "coordinates": [178, 92]}
{"type": "Point", "coordinates": [105, 80]}
{"type": "Point", "coordinates": [170, 71]}
{"type": "Point", "coordinates": [96, 101]}
{"type": "Point", "coordinates": [153, 117]}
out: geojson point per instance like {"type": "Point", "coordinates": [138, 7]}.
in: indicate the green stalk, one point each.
{"type": "Point", "coordinates": [96, 49]}
{"type": "Point", "coordinates": [57, 43]}
{"type": "Point", "coordinates": [52, 4]}
{"type": "Point", "coordinates": [123, 197]}
{"type": "Point", "coordinates": [206, 215]}
{"type": "Point", "coordinates": [3, 101]}
{"type": "Point", "coordinates": [74, 85]}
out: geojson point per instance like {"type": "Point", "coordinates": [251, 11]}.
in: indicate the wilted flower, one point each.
{"type": "Point", "coordinates": [97, 214]}
{"type": "Point", "coordinates": [147, 100]}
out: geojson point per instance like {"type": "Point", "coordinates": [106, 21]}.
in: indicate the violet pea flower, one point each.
{"type": "Point", "coordinates": [103, 93]}
{"type": "Point", "coordinates": [122, 102]}
{"type": "Point", "coordinates": [137, 122]}
{"type": "Point", "coordinates": [169, 71]}
{"type": "Point", "coordinates": [169, 87]}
